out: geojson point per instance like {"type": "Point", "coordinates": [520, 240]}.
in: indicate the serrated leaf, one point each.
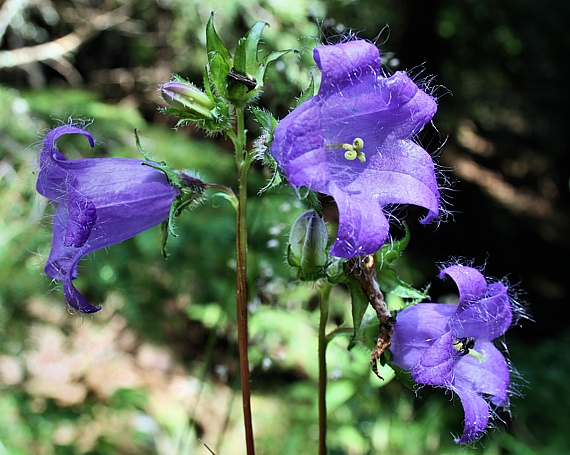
{"type": "Point", "coordinates": [213, 42]}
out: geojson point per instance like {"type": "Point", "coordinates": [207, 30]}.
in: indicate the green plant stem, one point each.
{"type": "Point", "coordinates": [323, 341]}
{"type": "Point", "coordinates": [243, 161]}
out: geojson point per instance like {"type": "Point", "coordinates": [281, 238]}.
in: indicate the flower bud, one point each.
{"type": "Point", "coordinates": [187, 98]}
{"type": "Point", "coordinates": [308, 243]}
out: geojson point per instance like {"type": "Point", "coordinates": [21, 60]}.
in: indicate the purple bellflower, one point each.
{"type": "Point", "coordinates": [452, 346]}
{"type": "Point", "coordinates": [354, 141]}
{"type": "Point", "coordinates": [100, 201]}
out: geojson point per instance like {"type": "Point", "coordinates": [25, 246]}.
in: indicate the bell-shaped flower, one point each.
{"type": "Point", "coordinates": [354, 141]}
{"type": "Point", "coordinates": [100, 201]}
{"type": "Point", "coordinates": [451, 346]}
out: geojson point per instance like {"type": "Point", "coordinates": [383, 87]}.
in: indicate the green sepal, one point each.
{"type": "Point", "coordinates": [268, 124]}
{"type": "Point", "coordinates": [191, 191]}
{"type": "Point", "coordinates": [265, 119]}
{"type": "Point", "coordinates": [189, 196]}
{"type": "Point", "coordinates": [312, 199]}
{"type": "Point", "coordinates": [393, 250]}
{"type": "Point", "coordinates": [309, 92]}
{"type": "Point", "coordinates": [336, 272]}
{"type": "Point", "coordinates": [389, 281]}
{"type": "Point", "coordinates": [184, 115]}
{"type": "Point", "coordinates": [208, 83]}
{"type": "Point", "coordinates": [220, 122]}
{"type": "Point", "coordinates": [276, 178]}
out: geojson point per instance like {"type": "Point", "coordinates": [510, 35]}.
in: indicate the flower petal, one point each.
{"type": "Point", "coordinates": [72, 295]}
{"type": "Point", "coordinates": [61, 257]}
{"type": "Point", "coordinates": [471, 284]}
{"type": "Point", "coordinates": [435, 366]}
{"type": "Point", "coordinates": [401, 175]}
{"type": "Point", "coordinates": [52, 177]}
{"type": "Point", "coordinates": [487, 319]}
{"type": "Point", "coordinates": [393, 108]}
{"type": "Point", "coordinates": [362, 228]}
{"type": "Point", "coordinates": [416, 329]}
{"type": "Point", "coordinates": [81, 218]}
{"type": "Point", "coordinates": [300, 151]}
{"type": "Point", "coordinates": [356, 103]}
{"type": "Point", "coordinates": [100, 202]}
{"type": "Point", "coordinates": [345, 64]}
{"type": "Point", "coordinates": [489, 376]}
{"type": "Point", "coordinates": [477, 412]}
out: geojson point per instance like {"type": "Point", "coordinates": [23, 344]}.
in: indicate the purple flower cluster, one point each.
{"type": "Point", "coordinates": [100, 201]}
{"type": "Point", "coordinates": [451, 346]}
{"type": "Point", "coordinates": [354, 141]}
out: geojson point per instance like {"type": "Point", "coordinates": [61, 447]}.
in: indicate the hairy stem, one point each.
{"type": "Point", "coordinates": [243, 161]}
{"type": "Point", "coordinates": [323, 341]}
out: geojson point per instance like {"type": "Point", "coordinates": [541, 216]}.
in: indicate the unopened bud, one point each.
{"type": "Point", "coordinates": [186, 97]}
{"type": "Point", "coordinates": [308, 243]}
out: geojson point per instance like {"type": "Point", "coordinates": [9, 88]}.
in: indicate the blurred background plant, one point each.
{"type": "Point", "coordinates": [155, 371]}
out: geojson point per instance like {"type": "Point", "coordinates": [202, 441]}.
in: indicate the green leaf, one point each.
{"type": "Point", "coordinates": [268, 60]}
{"type": "Point", "coordinates": [208, 83]}
{"type": "Point", "coordinates": [359, 302]}
{"type": "Point", "coordinates": [265, 119]}
{"type": "Point", "coordinates": [367, 334]}
{"type": "Point", "coordinates": [390, 283]}
{"type": "Point", "coordinates": [218, 70]}
{"type": "Point", "coordinates": [213, 42]}
{"type": "Point", "coordinates": [393, 250]}
{"type": "Point", "coordinates": [240, 58]}
{"type": "Point", "coordinates": [309, 92]}
{"type": "Point", "coordinates": [245, 61]}
{"type": "Point", "coordinates": [388, 279]}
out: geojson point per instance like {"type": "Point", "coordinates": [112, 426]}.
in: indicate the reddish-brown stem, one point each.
{"type": "Point", "coordinates": [243, 161]}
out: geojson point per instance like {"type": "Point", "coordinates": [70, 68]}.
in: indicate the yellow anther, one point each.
{"type": "Point", "coordinates": [358, 144]}
{"type": "Point", "coordinates": [350, 155]}
{"type": "Point", "coordinates": [352, 151]}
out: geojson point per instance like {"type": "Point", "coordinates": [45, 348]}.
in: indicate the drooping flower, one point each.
{"type": "Point", "coordinates": [100, 202]}
{"type": "Point", "coordinates": [452, 346]}
{"type": "Point", "coordinates": [354, 141]}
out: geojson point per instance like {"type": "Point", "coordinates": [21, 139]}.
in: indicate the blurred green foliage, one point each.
{"type": "Point", "coordinates": [155, 371]}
